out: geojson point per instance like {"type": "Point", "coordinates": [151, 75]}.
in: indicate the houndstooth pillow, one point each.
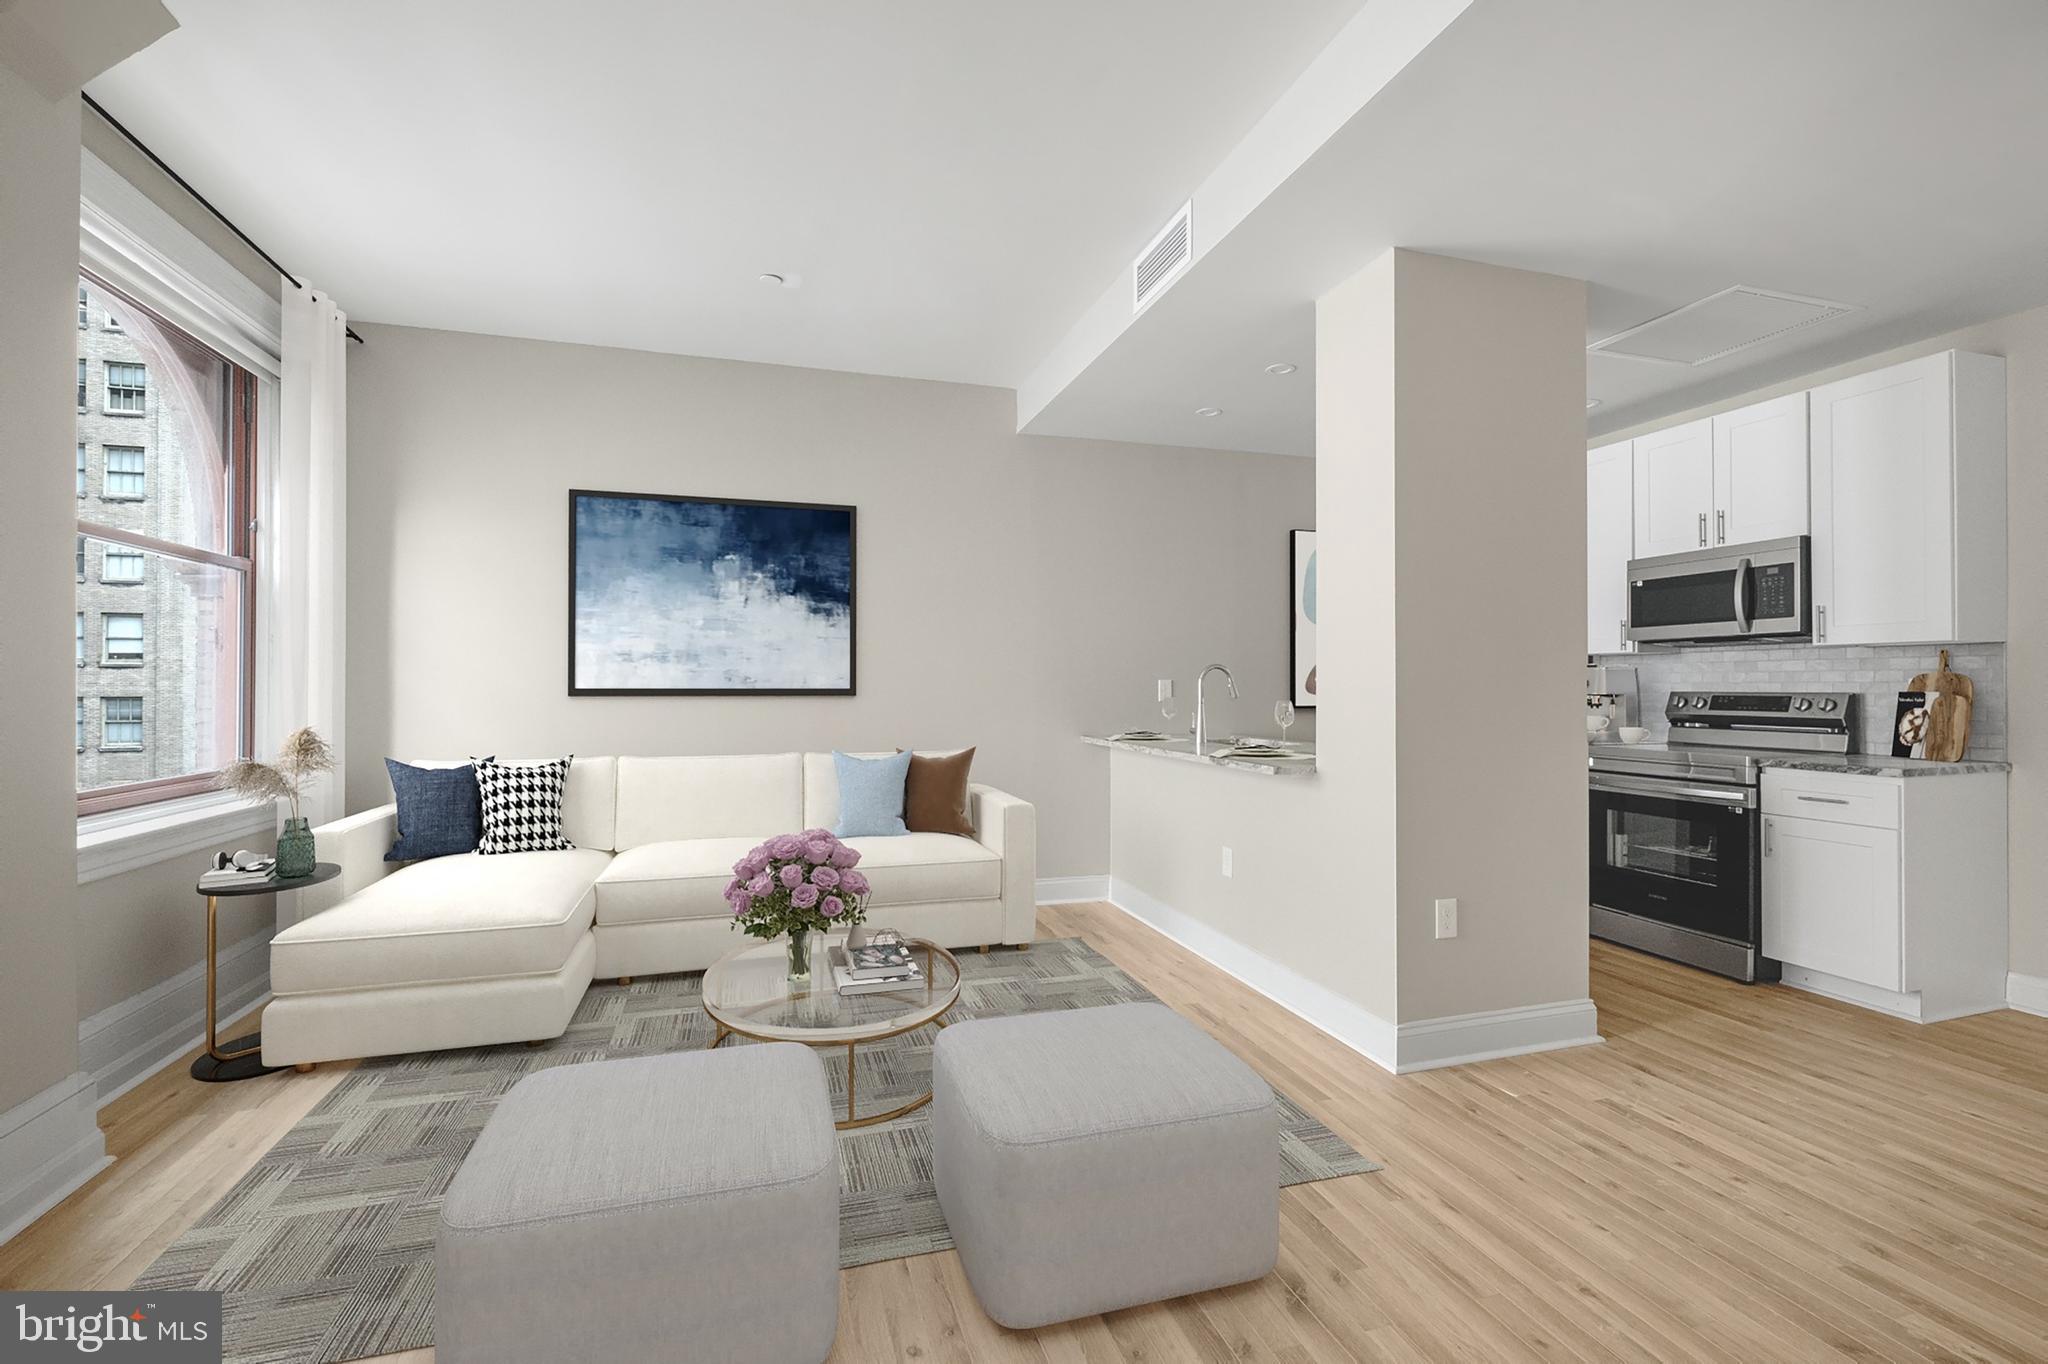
{"type": "Point", "coordinates": [522, 805]}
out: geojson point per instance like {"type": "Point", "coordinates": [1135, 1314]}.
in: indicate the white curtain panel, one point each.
{"type": "Point", "coordinates": [306, 534]}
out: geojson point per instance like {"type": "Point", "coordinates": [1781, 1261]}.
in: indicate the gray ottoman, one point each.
{"type": "Point", "coordinates": [1102, 1158]}
{"type": "Point", "coordinates": [681, 1207]}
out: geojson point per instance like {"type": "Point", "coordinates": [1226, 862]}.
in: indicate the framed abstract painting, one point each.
{"type": "Point", "coordinates": [1301, 609]}
{"type": "Point", "coordinates": [701, 596]}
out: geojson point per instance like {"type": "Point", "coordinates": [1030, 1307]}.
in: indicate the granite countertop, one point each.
{"type": "Point", "coordinates": [1879, 765]}
{"type": "Point", "coordinates": [1183, 750]}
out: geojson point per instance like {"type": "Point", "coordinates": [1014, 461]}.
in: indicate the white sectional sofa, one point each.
{"type": "Point", "coordinates": [468, 950]}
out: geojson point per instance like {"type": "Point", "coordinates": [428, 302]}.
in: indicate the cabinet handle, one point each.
{"type": "Point", "coordinates": [1770, 828]}
{"type": "Point", "coordinates": [1703, 530]}
{"type": "Point", "coordinates": [1825, 800]}
{"type": "Point", "coordinates": [1823, 636]}
{"type": "Point", "coordinates": [1720, 528]}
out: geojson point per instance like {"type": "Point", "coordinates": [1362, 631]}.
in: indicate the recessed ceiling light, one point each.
{"type": "Point", "coordinates": [1282, 368]}
{"type": "Point", "coordinates": [777, 280]}
{"type": "Point", "coordinates": [1208, 412]}
{"type": "Point", "coordinates": [1592, 403]}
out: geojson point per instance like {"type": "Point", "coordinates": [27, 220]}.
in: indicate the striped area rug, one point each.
{"type": "Point", "coordinates": [325, 1250]}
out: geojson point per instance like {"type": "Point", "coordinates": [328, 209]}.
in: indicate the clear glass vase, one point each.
{"type": "Point", "coordinates": [295, 852]}
{"type": "Point", "coordinates": [800, 955]}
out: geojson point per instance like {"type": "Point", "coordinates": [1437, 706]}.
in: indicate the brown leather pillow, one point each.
{"type": "Point", "coordinates": [935, 794]}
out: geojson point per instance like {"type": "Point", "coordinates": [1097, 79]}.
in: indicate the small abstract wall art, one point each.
{"type": "Point", "coordinates": [698, 596]}
{"type": "Point", "coordinates": [1301, 598]}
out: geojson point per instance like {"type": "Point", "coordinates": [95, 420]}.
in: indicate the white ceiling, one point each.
{"type": "Point", "coordinates": [952, 180]}
{"type": "Point", "coordinates": [1876, 152]}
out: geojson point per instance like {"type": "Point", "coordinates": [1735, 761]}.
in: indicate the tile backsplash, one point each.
{"type": "Point", "coordinates": [1877, 674]}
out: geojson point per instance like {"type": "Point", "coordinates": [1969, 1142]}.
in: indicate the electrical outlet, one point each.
{"type": "Point", "coordinates": [1165, 689]}
{"type": "Point", "coordinates": [1226, 859]}
{"type": "Point", "coordinates": [1447, 918]}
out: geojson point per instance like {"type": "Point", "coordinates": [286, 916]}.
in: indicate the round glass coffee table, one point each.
{"type": "Point", "coordinates": [749, 992]}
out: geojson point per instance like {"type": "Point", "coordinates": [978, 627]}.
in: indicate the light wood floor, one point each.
{"type": "Point", "coordinates": [1737, 1174]}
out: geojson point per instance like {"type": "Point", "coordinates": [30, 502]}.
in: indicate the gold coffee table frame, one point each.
{"type": "Point", "coordinates": [848, 1036]}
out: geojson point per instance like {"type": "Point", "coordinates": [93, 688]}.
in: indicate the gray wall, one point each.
{"type": "Point", "coordinates": [2023, 340]}
{"type": "Point", "coordinates": [38, 336]}
{"type": "Point", "coordinates": [1014, 591]}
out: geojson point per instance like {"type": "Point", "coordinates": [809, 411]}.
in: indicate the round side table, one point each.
{"type": "Point", "coordinates": [242, 1058]}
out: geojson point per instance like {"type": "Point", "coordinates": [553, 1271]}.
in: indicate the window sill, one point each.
{"type": "Point", "coordinates": [118, 412]}
{"type": "Point", "coordinates": [124, 840]}
{"type": "Point", "coordinates": [120, 663]}
{"type": "Point", "coordinates": [120, 748]}
{"type": "Point", "coordinates": [124, 497]}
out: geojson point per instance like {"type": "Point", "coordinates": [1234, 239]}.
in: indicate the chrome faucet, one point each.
{"type": "Point", "coordinates": [1202, 702]}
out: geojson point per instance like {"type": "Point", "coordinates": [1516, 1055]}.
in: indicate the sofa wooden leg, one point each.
{"type": "Point", "coordinates": [625, 980]}
{"type": "Point", "coordinates": [1023, 947]}
{"type": "Point", "coordinates": [304, 1067]}
{"type": "Point", "coordinates": [538, 1042]}
{"type": "Point", "coordinates": [983, 949]}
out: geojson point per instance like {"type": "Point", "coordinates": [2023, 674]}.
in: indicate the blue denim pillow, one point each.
{"type": "Point", "coordinates": [870, 794]}
{"type": "Point", "coordinates": [438, 811]}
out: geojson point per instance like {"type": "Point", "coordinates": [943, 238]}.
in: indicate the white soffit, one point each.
{"type": "Point", "coordinates": [1719, 325]}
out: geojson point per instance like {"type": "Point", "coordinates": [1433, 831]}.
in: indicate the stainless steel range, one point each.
{"type": "Point", "coordinates": [1675, 826]}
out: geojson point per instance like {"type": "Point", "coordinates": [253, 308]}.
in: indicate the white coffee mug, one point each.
{"type": "Point", "coordinates": [1596, 724]}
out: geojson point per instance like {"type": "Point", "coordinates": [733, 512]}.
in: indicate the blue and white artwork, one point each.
{"type": "Point", "coordinates": [686, 594]}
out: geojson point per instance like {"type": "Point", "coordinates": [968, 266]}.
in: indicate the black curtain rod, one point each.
{"type": "Point", "coordinates": [199, 198]}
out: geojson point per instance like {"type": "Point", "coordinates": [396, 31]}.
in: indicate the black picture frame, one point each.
{"type": "Point", "coordinates": [852, 595]}
{"type": "Point", "coordinates": [1303, 700]}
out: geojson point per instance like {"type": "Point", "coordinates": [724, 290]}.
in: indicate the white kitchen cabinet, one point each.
{"type": "Point", "coordinates": [1908, 491]}
{"type": "Point", "coordinates": [1834, 892]}
{"type": "Point", "coordinates": [1674, 489]}
{"type": "Point", "coordinates": [1760, 475]}
{"type": "Point", "coordinates": [1889, 892]}
{"type": "Point", "coordinates": [1610, 544]}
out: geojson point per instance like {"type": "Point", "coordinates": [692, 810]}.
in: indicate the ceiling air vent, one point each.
{"type": "Point", "coordinates": [1719, 325]}
{"type": "Point", "coordinates": [1163, 258]}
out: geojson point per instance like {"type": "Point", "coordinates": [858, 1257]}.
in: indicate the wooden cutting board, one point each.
{"type": "Point", "coordinates": [1948, 716]}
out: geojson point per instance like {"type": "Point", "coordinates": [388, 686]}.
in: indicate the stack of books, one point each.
{"type": "Point", "coordinates": [874, 967]}
{"type": "Point", "coordinates": [238, 877]}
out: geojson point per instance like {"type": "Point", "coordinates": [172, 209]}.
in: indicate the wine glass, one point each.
{"type": "Point", "coordinates": [1283, 716]}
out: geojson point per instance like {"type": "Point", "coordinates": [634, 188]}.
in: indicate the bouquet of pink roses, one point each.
{"type": "Point", "coordinates": [797, 883]}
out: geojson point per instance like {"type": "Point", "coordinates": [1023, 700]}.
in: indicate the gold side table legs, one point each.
{"type": "Point", "coordinates": [851, 1121]}
{"type": "Point", "coordinates": [242, 1058]}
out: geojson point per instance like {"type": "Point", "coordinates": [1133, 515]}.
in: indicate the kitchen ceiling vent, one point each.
{"type": "Point", "coordinates": [1719, 326]}
{"type": "Point", "coordinates": [1164, 258]}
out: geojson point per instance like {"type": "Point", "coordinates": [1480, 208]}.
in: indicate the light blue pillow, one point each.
{"type": "Point", "coordinates": [870, 794]}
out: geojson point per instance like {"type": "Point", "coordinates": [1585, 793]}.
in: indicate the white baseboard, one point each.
{"type": "Point", "coordinates": [1429, 1043]}
{"type": "Point", "coordinates": [49, 1146]}
{"type": "Point", "coordinates": [1424, 1044]}
{"type": "Point", "coordinates": [125, 1043]}
{"type": "Point", "coordinates": [1067, 890]}
{"type": "Point", "coordinates": [1364, 1032]}
{"type": "Point", "coordinates": [2028, 994]}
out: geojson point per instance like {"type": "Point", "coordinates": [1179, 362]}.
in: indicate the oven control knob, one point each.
{"type": "Point", "coordinates": [1802, 704]}
{"type": "Point", "coordinates": [1680, 702]}
{"type": "Point", "coordinates": [1828, 704]}
{"type": "Point", "coordinates": [1699, 703]}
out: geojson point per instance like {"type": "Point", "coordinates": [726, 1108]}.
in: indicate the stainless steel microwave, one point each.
{"type": "Point", "coordinates": [1754, 591]}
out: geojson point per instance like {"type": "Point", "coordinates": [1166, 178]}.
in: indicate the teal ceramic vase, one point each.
{"type": "Point", "coordinates": [295, 854]}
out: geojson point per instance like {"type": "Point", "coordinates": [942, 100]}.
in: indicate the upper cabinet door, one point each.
{"type": "Point", "coordinates": [1760, 472]}
{"type": "Point", "coordinates": [1610, 544]}
{"type": "Point", "coordinates": [1884, 506]}
{"type": "Point", "coordinates": [1674, 489]}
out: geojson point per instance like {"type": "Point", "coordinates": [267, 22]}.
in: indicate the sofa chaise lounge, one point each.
{"type": "Point", "coordinates": [470, 950]}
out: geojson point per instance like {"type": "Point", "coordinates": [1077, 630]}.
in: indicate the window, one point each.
{"type": "Point", "coordinates": [81, 327]}
{"type": "Point", "coordinates": [121, 565]}
{"type": "Point", "coordinates": [169, 527]}
{"type": "Point", "coordinates": [121, 722]}
{"type": "Point", "coordinates": [81, 724]}
{"type": "Point", "coordinates": [122, 633]}
{"type": "Point", "coordinates": [126, 476]}
{"type": "Point", "coordinates": [81, 385]}
{"type": "Point", "coordinates": [113, 323]}
{"type": "Point", "coordinates": [126, 384]}
{"type": "Point", "coordinates": [81, 468]}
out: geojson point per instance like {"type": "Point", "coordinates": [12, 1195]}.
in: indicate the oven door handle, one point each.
{"type": "Point", "coordinates": [1734, 796]}
{"type": "Point", "coordinates": [1742, 596]}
